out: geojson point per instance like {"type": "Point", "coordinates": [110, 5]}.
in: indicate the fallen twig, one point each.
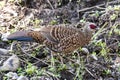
{"type": "Point", "coordinates": [98, 6]}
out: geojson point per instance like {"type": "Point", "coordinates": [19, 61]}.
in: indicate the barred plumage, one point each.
{"type": "Point", "coordinates": [58, 38]}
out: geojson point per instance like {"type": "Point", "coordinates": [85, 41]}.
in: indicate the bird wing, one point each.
{"type": "Point", "coordinates": [67, 44]}
{"type": "Point", "coordinates": [56, 33]}
{"type": "Point", "coordinates": [71, 43]}
{"type": "Point", "coordinates": [52, 46]}
{"type": "Point", "coordinates": [46, 32]}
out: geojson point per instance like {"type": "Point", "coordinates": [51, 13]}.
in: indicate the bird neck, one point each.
{"type": "Point", "coordinates": [87, 34]}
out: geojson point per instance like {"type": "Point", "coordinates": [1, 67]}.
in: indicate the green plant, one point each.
{"type": "Point", "coordinates": [80, 69]}
{"type": "Point", "coordinates": [30, 69]}
{"type": "Point", "coordinates": [104, 49]}
{"type": "Point", "coordinates": [53, 22]}
{"type": "Point", "coordinates": [107, 71]}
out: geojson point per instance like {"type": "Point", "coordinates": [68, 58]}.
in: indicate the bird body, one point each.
{"type": "Point", "coordinates": [58, 38]}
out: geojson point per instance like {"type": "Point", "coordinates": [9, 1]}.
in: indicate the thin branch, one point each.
{"type": "Point", "coordinates": [90, 72]}
{"type": "Point", "coordinates": [101, 5]}
{"type": "Point", "coordinates": [50, 4]}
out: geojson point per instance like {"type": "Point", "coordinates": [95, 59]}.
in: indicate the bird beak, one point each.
{"type": "Point", "coordinates": [97, 28]}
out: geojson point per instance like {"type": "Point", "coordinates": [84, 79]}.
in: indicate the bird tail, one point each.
{"type": "Point", "coordinates": [20, 36]}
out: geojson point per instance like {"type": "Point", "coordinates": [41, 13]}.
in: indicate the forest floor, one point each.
{"type": "Point", "coordinates": [101, 63]}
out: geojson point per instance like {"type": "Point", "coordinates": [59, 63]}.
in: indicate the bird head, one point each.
{"type": "Point", "coordinates": [89, 26]}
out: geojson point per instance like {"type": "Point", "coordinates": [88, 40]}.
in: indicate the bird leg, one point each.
{"type": "Point", "coordinates": [52, 59]}
{"type": "Point", "coordinates": [59, 58]}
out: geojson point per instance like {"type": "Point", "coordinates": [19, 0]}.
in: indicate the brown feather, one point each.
{"type": "Point", "coordinates": [63, 39]}
{"type": "Point", "coordinates": [38, 37]}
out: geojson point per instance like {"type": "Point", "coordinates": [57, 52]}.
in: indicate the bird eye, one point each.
{"type": "Point", "coordinates": [92, 26]}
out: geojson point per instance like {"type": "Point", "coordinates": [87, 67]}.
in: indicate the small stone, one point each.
{"type": "Point", "coordinates": [22, 78]}
{"type": "Point", "coordinates": [85, 50]}
{"type": "Point", "coordinates": [11, 64]}
{"type": "Point", "coordinates": [12, 75]}
{"type": "Point", "coordinates": [94, 56]}
{"type": "Point", "coordinates": [116, 62]}
{"type": "Point", "coordinates": [109, 78]}
{"type": "Point", "coordinates": [119, 78]}
{"type": "Point", "coordinates": [4, 36]}
{"type": "Point", "coordinates": [41, 78]}
{"type": "Point", "coordinates": [3, 51]}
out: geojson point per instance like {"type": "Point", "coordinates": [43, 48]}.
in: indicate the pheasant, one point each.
{"type": "Point", "coordinates": [58, 38]}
